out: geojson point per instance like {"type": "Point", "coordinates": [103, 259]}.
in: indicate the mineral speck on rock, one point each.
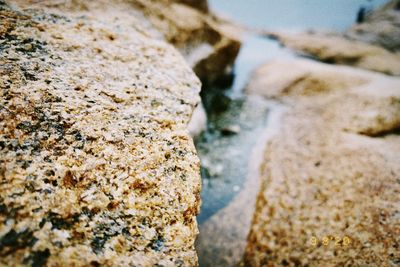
{"type": "Point", "coordinates": [96, 163]}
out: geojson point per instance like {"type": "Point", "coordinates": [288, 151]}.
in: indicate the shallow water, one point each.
{"type": "Point", "coordinates": [225, 157]}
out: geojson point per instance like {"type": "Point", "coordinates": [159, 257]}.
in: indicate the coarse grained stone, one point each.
{"type": "Point", "coordinates": [96, 163]}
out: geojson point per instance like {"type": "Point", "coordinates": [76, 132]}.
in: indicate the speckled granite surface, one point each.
{"type": "Point", "coordinates": [96, 165]}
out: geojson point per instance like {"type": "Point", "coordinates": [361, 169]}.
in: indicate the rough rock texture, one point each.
{"type": "Point", "coordinates": [96, 164]}
{"type": "Point", "coordinates": [382, 27]}
{"type": "Point", "coordinates": [333, 48]}
{"type": "Point", "coordinates": [332, 172]}
{"type": "Point", "coordinates": [208, 43]}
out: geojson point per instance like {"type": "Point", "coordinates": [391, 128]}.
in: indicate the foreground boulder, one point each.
{"type": "Point", "coordinates": [330, 188]}
{"type": "Point", "coordinates": [96, 164]}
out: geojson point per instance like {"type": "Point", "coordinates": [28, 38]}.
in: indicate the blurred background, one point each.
{"type": "Point", "coordinates": [245, 112]}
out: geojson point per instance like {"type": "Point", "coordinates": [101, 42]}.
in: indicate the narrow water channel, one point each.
{"type": "Point", "coordinates": [235, 123]}
{"type": "Point", "coordinates": [230, 152]}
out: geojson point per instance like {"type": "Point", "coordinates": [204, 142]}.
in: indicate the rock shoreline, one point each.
{"type": "Point", "coordinates": [331, 177]}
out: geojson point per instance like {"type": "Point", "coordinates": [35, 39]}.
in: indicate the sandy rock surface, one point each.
{"type": "Point", "coordinates": [96, 163]}
{"type": "Point", "coordinates": [331, 175]}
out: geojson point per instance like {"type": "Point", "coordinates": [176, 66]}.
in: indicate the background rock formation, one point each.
{"type": "Point", "coordinates": [330, 189]}
{"type": "Point", "coordinates": [372, 45]}
{"type": "Point", "coordinates": [96, 164]}
{"type": "Point", "coordinates": [333, 48]}
{"type": "Point", "coordinates": [381, 27]}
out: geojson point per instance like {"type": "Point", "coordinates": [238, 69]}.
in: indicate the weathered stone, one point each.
{"type": "Point", "coordinates": [96, 163]}
{"type": "Point", "coordinates": [331, 173]}
{"type": "Point", "coordinates": [381, 27]}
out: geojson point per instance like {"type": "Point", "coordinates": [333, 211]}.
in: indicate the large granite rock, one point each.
{"type": "Point", "coordinates": [96, 163]}
{"type": "Point", "coordinates": [381, 27]}
{"type": "Point", "coordinates": [330, 188]}
{"type": "Point", "coordinates": [334, 48]}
